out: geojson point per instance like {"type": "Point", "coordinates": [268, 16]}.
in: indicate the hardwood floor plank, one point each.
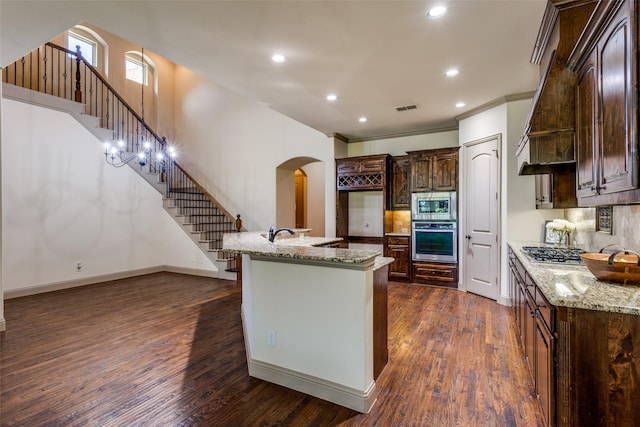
{"type": "Point", "coordinates": [167, 349]}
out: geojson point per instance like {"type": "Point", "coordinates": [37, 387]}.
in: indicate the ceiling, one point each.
{"type": "Point", "coordinates": [374, 55]}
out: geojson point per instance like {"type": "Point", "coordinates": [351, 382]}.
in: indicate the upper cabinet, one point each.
{"type": "Point", "coordinates": [362, 173]}
{"type": "Point", "coordinates": [400, 177]}
{"type": "Point", "coordinates": [421, 171]}
{"type": "Point", "coordinates": [434, 170]}
{"type": "Point", "coordinates": [605, 59]}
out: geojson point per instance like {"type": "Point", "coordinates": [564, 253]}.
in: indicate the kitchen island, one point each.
{"type": "Point", "coordinates": [314, 317]}
{"type": "Point", "coordinates": [581, 339]}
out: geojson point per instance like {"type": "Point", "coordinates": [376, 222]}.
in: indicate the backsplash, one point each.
{"type": "Point", "coordinates": [401, 222]}
{"type": "Point", "coordinates": [625, 228]}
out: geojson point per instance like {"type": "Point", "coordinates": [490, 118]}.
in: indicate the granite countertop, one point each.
{"type": "Point", "coordinates": [296, 247]}
{"type": "Point", "coordinates": [407, 234]}
{"type": "Point", "coordinates": [574, 286]}
{"type": "Point", "coordinates": [382, 261]}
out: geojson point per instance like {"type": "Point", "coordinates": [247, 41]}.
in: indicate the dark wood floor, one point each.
{"type": "Point", "coordinates": [167, 350]}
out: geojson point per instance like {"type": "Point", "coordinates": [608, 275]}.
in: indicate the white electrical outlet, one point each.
{"type": "Point", "coordinates": [271, 337]}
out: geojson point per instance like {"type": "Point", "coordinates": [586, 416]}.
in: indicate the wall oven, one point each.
{"type": "Point", "coordinates": [435, 205]}
{"type": "Point", "coordinates": [434, 241]}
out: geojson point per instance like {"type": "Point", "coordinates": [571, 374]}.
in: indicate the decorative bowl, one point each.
{"type": "Point", "coordinates": [618, 267]}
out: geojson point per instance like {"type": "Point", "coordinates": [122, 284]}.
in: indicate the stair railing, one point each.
{"type": "Point", "coordinates": [61, 72]}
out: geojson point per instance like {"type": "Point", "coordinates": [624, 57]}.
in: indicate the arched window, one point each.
{"type": "Point", "coordinates": [88, 47]}
{"type": "Point", "coordinates": [136, 70]}
{"type": "Point", "coordinates": [93, 47]}
{"type": "Point", "coordinates": [141, 70]}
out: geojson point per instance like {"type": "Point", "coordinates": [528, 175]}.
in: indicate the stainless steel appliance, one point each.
{"type": "Point", "coordinates": [556, 255]}
{"type": "Point", "coordinates": [434, 241]}
{"type": "Point", "coordinates": [435, 205]}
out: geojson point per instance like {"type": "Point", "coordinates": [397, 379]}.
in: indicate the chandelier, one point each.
{"type": "Point", "coordinates": [114, 152]}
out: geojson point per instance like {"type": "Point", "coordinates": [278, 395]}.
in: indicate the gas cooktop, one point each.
{"type": "Point", "coordinates": [554, 254]}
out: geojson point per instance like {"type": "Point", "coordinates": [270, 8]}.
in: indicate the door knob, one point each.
{"type": "Point", "coordinates": [468, 236]}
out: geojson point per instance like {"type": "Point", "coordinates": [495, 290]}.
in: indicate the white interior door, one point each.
{"type": "Point", "coordinates": [482, 202]}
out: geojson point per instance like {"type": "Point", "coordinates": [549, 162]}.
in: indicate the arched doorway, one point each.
{"type": "Point", "coordinates": [301, 198]}
{"type": "Point", "coordinates": [300, 194]}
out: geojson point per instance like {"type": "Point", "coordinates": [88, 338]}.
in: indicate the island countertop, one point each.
{"type": "Point", "coordinates": [574, 286]}
{"type": "Point", "coordinates": [300, 248]}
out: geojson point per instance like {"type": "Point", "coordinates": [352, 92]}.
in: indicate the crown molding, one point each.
{"type": "Point", "coordinates": [496, 102]}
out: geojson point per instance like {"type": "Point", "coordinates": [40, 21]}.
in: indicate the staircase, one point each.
{"type": "Point", "coordinates": [64, 74]}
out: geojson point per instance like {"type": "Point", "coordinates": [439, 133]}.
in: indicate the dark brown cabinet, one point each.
{"type": "Point", "coordinates": [398, 247]}
{"type": "Point", "coordinates": [533, 316]}
{"type": "Point", "coordinates": [445, 170]}
{"type": "Point", "coordinates": [362, 173]}
{"type": "Point", "coordinates": [421, 172]}
{"type": "Point", "coordinates": [586, 98]}
{"type": "Point", "coordinates": [434, 170]}
{"type": "Point", "coordinates": [435, 274]}
{"type": "Point", "coordinates": [606, 107]}
{"type": "Point", "coordinates": [544, 352]}
{"type": "Point", "coordinates": [400, 178]}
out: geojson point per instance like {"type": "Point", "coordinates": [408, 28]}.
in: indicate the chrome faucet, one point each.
{"type": "Point", "coordinates": [273, 232]}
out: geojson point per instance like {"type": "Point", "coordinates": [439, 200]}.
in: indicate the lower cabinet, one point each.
{"type": "Point", "coordinates": [583, 362]}
{"type": "Point", "coordinates": [438, 274]}
{"type": "Point", "coordinates": [399, 248]}
{"type": "Point", "coordinates": [404, 269]}
{"type": "Point", "coordinates": [544, 368]}
{"type": "Point", "coordinates": [533, 320]}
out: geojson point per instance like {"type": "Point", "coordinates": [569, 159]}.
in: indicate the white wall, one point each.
{"type": "Point", "coordinates": [519, 218]}
{"type": "Point", "coordinates": [285, 198]}
{"type": "Point", "coordinates": [399, 146]}
{"type": "Point", "coordinates": [316, 194]}
{"type": "Point", "coordinates": [62, 204]}
{"type": "Point", "coordinates": [366, 213]}
{"type": "Point", "coordinates": [2, 321]}
{"type": "Point", "coordinates": [233, 146]}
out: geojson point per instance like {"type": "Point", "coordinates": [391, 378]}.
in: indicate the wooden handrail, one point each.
{"type": "Point", "coordinates": [117, 98]}
{"type": "Point", "coordinates": [108, 86]}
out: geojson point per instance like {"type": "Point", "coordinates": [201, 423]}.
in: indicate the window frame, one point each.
{"type": "Point", "coordinates": [133, 59]}
{"type": "Point", "coordinates": [93, 43]}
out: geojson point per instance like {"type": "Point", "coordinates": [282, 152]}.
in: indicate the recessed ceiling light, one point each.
{"type": "Point", "coordinates": [460, 104]}
{"type": "Point", "coordinates": [437, 12]}
{"type": "Point", "coordinates": [452, 72]}
{"type": "Point", "coordinates": [278, 58]}
{"type": "Point", "coordinates": [362, 119]}
{"type": "Point", "coordinates": [332, 97]}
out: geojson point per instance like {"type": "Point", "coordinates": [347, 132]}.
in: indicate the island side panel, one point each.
{"type": "Point", "coordinates": [322, 318]}
{"type": "Point", "coordinates": [380, 313]}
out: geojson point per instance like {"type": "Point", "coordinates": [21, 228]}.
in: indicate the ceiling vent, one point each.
{"type": "Point", "coordinates": [406, 107]}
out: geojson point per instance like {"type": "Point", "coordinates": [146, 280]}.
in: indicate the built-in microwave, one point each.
{"type": "Point", "coordinates": [434, 206]}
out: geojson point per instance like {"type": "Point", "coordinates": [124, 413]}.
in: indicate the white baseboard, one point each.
{"type": "Point", "coordinates": [49, 287]}
{"type": "Point", "coordinates": [190, 271]}
{"type": "Point", "coordinates": [3, 325]}
{"type": "Point", "coordinates": [360, 401]}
